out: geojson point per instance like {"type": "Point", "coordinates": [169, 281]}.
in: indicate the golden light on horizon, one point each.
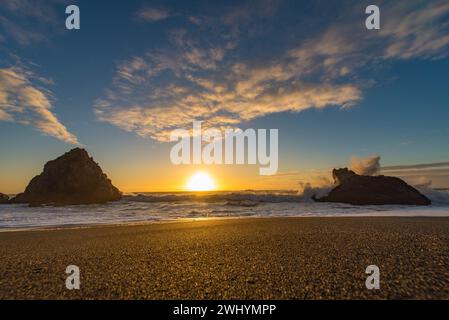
{"type": "Point", "coordinates": [201, 181]}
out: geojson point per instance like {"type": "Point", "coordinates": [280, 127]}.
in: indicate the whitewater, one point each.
{"type": "Point", "coordinates": [160, 207]}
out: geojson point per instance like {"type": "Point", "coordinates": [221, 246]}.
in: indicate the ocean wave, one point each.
{"type": "Point", "coordinates": [245, 199]}
{"type": "Point", "coordinates": [151, 208]}
{"type": "Point", "coordinates": [437, 197]}
{"type": "Point", "coordinates": [254, 198]}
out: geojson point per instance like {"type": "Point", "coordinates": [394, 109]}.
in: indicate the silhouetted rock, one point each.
{"type": "Point", "coordinates": [4, 199]}
{"type": "Point", "coordinates": [372, 190]}
{"type": "Point", "coordinates": [73, 178]}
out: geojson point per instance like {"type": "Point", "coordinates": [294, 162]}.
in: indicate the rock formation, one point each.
{"type": "Point", "coordinates": [73, 178]}
{"type": "Point", "coordinates": [372, 190]}
{"type": "Point", "coordinates": [4, 199]}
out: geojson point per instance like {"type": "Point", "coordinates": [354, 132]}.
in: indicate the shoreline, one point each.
{"type": "Point", "coordinates": [443, 213]}
{"type": "Point", "coordinates": [258, 258]}
{"type": "Point", "coordinates": [386, 214]}
{"type": "Point", "coordinates": [120, 224]}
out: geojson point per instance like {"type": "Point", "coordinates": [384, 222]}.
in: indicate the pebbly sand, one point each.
{"type": "Point", "coordinates": [262, 258]}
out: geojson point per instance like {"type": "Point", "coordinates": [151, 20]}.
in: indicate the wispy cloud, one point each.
{"type": "Point", "coordinates": [421, 175]}
{"type": "Point", "coordinates": [28, 21]}
{"type": "Point", "coordinates": [416, 166]}
{"type": "Point", "coordinates": [24, 100]}
{"type": "Point", "coordinates": [204, 85]}
{"type": "Point", "coordinates": [206, 78]}
{"type": "Point", "coordinates": [153, 14]}
{"type": "Point", "coordinates": [421, 32]}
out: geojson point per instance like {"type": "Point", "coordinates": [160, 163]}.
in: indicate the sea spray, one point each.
{"type": "Point", "coordinates": [154, 207]}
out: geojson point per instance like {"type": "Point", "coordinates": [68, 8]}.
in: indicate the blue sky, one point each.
{"type": "Point", "coordinates": [138, 69]}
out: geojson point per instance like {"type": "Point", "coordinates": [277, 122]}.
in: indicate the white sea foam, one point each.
{"type": "Point", "coordinates": [153, 207]}
{"type": "Point", "coordinates": [437, 197]}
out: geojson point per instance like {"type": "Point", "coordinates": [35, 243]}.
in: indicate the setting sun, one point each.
{"type": "Point", "coordinates": [201, 181]}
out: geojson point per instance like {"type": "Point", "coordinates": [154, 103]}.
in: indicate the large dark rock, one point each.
{"type": "Point", "coordinates": [73, 178]}
{"type": "Point", "coordinates": [372, 190]}
{"type": "Point", "coordinates": [4, 199]}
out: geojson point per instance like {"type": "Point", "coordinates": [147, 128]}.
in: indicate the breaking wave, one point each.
{"type": "Point", "coordinates": [245, 198]}
{"type": "Point", "coordinates": [254, 198]}
{"type": "Point", "coordinates": [154, 207]}
{"type": "Point", "coordinates": [438, 197]}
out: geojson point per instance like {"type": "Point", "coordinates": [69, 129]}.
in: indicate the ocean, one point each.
{"type": "Point", "coordinates": [158, 207]}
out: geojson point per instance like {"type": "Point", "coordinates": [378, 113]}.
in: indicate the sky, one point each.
{"type": "Point", "coordinates": [136, 70]}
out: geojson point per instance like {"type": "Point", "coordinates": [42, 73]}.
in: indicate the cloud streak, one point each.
{"type": "Point", "coordinates": [153, 14]}
{"type": "Point", "coordinates": [420, 33]}
{"type": "Point", "coordinates": [424, 166]}
{"type": "Point", "coordinates": [24, 101]}
{"type": "Point", "coordinates": [29, 21]}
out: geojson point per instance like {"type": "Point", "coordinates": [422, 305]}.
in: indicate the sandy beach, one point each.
{"type": "Point", "coordinates": [276, 258]}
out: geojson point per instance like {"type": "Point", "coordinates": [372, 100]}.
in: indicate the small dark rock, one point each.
{"type": "Point", "coordinates": [4, 199]}
{"type": "Point", "coordinates": [74, 178]}
{"type": "Point", "coordinates": [372, 190]}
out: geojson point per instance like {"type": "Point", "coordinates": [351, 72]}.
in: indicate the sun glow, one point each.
{"type": "Point", "coordinates": [201, 181]}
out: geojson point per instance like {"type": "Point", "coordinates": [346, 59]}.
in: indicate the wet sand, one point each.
{"type": "Point", "coordinates": [273, 258]}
